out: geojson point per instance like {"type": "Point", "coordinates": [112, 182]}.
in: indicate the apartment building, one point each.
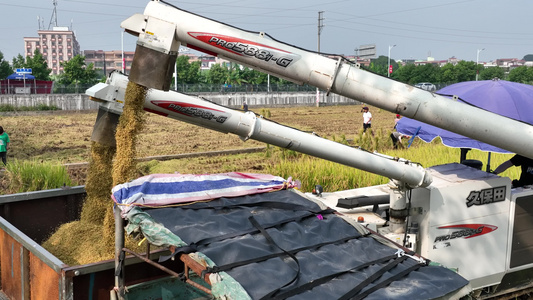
{"type": "Point", "coordinates": [107, 61]}
{"type": "Point", "coordinates": [56, 45]}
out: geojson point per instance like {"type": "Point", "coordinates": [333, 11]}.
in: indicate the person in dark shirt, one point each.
{"type": "Point", "coordinates": [526, 178]}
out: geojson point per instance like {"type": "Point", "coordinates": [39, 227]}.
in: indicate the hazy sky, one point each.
{"type": "Point", "coordinates": [437, 28]}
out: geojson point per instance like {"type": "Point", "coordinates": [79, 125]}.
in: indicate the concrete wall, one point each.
{"type": "Point", "coordinates": [82, 102]}
{"type": "Point", "coordinates": [63, 101]}
{"type": "Point", "coordinates": [277, 99]}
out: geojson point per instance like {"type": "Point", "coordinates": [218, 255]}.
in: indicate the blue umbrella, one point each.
{"type": "Point", "coordinates": [506, 98]}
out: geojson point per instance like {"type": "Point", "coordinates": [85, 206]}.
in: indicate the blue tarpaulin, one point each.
{"type": "Point", "coordinates": [281, 245]}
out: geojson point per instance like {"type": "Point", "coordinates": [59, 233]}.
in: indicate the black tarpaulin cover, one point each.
{"type": "Point", "coordinates": [281, 245]}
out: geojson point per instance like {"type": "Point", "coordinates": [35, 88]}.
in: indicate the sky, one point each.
{"type": "Point", "coordinates": [465, 29]}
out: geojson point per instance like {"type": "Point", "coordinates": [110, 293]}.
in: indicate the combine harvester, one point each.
{"type": "Point", "coordinates": [463, 218]}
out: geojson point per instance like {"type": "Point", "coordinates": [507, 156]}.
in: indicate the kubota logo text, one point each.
{"type": "Point", "coordinates": [486, 196]}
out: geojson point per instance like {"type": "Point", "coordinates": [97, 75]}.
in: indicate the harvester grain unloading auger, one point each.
{"type": "Point", "coordinates": [163, 28]}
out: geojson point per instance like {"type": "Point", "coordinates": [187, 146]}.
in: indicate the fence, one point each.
{"type": "Point", "coordinates": [258, 99]}
{"type": "Point", "coordinates": [182, 88]}
{"type": "Point", "coordinates": [26, 87]}
{"type": "Point", "coordinates": [242, 88]}
{"type": "Point", "coordinates": [75, 102]}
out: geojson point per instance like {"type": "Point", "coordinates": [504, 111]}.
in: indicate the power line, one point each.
{"type": "Point", "coordinates": [349, 20]}
{"type": "Point", "coordinates": [425, 38]}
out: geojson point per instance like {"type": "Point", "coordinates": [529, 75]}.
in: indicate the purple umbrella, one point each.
{"type": "Point", "coordinates": [506, 98]}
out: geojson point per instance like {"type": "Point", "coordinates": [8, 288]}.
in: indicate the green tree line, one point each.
{"type": "Point", "coordinates": [450, 73]}
{"type": "Point", "coordinates": [227, 74]}
{"type": "Point", "coordinates": [77, 72]}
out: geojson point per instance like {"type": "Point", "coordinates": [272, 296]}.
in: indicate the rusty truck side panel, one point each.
{"type": "Point", "coordinates": [13, 271]}
{"type": "Point", "coordinates": [28, 271]}
{"type": "Point", "coordinates": [44, 281]}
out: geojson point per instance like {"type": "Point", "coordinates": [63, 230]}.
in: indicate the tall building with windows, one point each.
{"type": "Point", "coordinates": [56, 45]}
{"type": "Point", "coordinates": [107, 61]}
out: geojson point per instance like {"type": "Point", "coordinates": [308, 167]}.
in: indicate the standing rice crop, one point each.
{"type": "Point", "coordinates": [32, 175]}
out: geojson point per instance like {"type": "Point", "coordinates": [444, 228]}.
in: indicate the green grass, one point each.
{"type": "Point", "coordinates": [40, 107]}
{"type": "Point", "coordinates": [332, 176]}
{"type": "Point", "coordinates": [31, 175]}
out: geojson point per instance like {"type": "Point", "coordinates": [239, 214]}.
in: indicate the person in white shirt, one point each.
{"type": "Point", "coordinates": [367, 119]}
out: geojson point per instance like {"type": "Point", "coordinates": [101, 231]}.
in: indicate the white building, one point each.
{"type": "Point", "coordinates": [56, 45]}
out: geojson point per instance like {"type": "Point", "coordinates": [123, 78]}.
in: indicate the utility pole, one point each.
{"type": "Point", "coordinates": [320, 26]}
{"type": "Point", "coordinates": [388, 61]}
{"type": "Point", "coordinates": [477, 62]}
{"type": "Point", "coordinates": [122, 47]}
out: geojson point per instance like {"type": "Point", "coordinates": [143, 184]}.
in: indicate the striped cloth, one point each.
{"type": "Point", "coordinates": [167, 189]}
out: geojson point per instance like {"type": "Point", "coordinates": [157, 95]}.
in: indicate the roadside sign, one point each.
{"type": "Point", "coordinates": [23, 71]}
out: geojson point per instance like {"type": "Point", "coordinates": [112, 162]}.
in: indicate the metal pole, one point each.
{"type": "Point", "coordinates": [119, 255]}
{"type": "Point", "coordinates": [388, 64]}
{"type": "Point", "coordinates": [176, 76]}
{"type": "Point", "coordinates": [477, 62]}
{"type": "Point", "coordinates": [123, 62]}
{"type": "Point", "coordinates": [320, 25]}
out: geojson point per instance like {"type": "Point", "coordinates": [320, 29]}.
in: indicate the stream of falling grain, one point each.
{"type": "Point", "coordinates": [92, 238]}
{"type": "Point", "coordinates": [130, 124]}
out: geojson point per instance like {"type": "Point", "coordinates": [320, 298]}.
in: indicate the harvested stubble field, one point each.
{"type": "Point", "coordinates": [65, 136]}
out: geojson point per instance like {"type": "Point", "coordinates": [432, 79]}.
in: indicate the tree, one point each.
{"type": "Point", "coordinates": [426, 73]}
{"type": "Point", "coordinates": [76, 72]}
{"type": "Point", "coordinates": [5, 68]}
{"type": "Point", "coordinates": [193, 74]}
{"type": "Point", "coordinates": [466, 71]}
{"type": "Point", "coordinates": [37, 64]}
{"type": "Point", "coordinates": [18, 61]}
{"type": "Point", "coordinates": [406, 73]}
{"type": "Point", "coordinates": [448, 74]}
{"type": "Point", "coordinates": [218, 74]}
{"type": "Point", "coordinates": [236, 75]}
{"type": "Point", "coordinates": [521, 74]}
{"type": "Point", "coordinates": [380, 65]}
{"type": "Point", "coordinates": [187, 72]}
{"type": "Point", "coordinates": [491, 73]}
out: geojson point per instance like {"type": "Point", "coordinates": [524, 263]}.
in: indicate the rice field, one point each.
{"type": "Point", "coordinates": [64, 137]}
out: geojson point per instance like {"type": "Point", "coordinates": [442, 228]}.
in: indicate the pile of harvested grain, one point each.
{"type": "Point", "coordinates": [92, 238]}
{"type": "Point", "coordinates": [75, 243]}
